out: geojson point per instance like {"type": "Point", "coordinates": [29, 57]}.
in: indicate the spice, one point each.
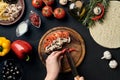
{"type": "Point", "coordinates": [35, 19]}
{"type": "Point", "coordinates": [22, 28]}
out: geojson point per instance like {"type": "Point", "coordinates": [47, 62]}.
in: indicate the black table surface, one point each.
{"type": "Point", "coordinates": [92, 67]}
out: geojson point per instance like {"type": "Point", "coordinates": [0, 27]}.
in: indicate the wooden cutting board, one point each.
{"type": "Point", "coordinates": [77, 42]}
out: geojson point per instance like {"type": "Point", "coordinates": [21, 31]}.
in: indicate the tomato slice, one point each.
{"type": "Point", "coordinates": [53, 37]}
{"type": "Point", "coordinates": [45, 44]}
{"type": "Point", "coordinates": [65, 34]}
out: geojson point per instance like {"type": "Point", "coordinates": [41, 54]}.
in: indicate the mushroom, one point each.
{"type": "Point", "coordinates": [97, 10]}
{"type": "Point", "coordinates": [78, 4]}
{"type": "Point", "coordinates": [63, 2]}
{"type": "Point", "coordinates": [107, 55]}
{"type": "Point", "coordinates": [113, 64]}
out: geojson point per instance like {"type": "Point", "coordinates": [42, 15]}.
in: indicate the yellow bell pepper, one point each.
{"type": "Point", "coordinates": [4, 46]}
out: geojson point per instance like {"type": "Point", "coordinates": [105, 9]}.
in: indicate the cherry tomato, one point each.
{"type": "Point", "coordinates": [59, 13]}
{"type": "Point", "coordinates": [37, 3]}
{"type": "Point", "coordinates": [47, 11]}
{"type": "Point", "coordinates": [48, 2]}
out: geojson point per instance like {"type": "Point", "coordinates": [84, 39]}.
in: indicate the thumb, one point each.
{"type": "Point", "coordinates": [58, 53]}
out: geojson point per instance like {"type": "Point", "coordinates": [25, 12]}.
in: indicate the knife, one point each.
{"type": "Point", "coordinates": [72, 66]}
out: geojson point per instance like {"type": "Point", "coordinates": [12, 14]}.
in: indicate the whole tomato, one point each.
{"type": "Point", "coordinates": [59, 13]}
{"type": "Point", "coordinates": [37, 3]}
{"type": "Point", "coordinates": [47, 11]}
{"type": "Point", "coordinates": [48, 2]}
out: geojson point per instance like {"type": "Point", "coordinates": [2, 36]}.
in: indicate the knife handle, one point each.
{"type": "Point", "coordinates": [78, 78]}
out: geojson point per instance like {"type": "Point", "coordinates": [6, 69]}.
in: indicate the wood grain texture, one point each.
{"type": "Point", "coordinates": [77, 42]}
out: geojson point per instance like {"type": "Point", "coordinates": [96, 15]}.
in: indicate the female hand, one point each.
{"type": "Point", "coordinates": [53, 65]}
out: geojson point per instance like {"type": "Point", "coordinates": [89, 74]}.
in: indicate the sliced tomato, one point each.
{"type": "Point", "coordinates": [65, 34]}
{"type": "Point", "coordinates": [53, 37]}
{"type": "Point", "coordinates": [59, 33]}
{"type": "Point", "coordinates": [45, 44]}
{"type": "Point", "coordinates": [48, 39]}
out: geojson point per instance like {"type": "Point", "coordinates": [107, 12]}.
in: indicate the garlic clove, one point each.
{"type": "Point", "coordinates": [72, 6]}
{"type": "Point", "coordinates": [113, 64]}
{"type": "Point", "coordinates": [107, 55]}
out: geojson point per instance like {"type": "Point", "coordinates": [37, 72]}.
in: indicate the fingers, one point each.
{"type": "Point", "coordinates": [82, 78]}
{"type": "Point", "coordinates": [56, 53]}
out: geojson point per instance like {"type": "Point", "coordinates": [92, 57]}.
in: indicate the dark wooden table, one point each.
{"type": "Point", "coordinates": [92, 68]}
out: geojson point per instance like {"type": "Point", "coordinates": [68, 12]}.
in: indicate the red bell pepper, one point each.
{"type": "Point", "coordinates": [21, 48]}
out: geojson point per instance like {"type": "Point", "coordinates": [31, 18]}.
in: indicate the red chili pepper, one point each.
{"type": "Point", "coordinates": [64, 50]}
{"type": "Point", "coordinates": [21, 48]}
{"type": "Point", "coordinates": [101, 15]}
{"type": "Point", "coordinates": [71, 49]}
{"type": "Point", "coordinates": [68, 50]}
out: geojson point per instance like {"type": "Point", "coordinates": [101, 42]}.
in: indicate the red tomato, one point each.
{"type": "Point", "coordinates": [59, 13]}
{"type": "Point", "coordinates": [48, 2]}
{"type": "Point", "coordinates": [47, 11]}
{"type": "Point", "coordinates": [37, 3]}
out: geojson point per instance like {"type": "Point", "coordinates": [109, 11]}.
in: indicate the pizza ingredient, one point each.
{"type": "Point", "coordinates": [113, 64]}
{"type": "Point", "coordinates": [35, 19]}
{"type": "Point", "coordinates": [47, 11]}
{"type": "Point", "coordinates": [59, 13]}
{"type": "Point", "coordinates": [78, 4]}
{"type": "Point", "coordinates": [72, 6]}
{"type": "Point", "coordinates": [22, 49]}
{"type": "Point", "coordinates": [37, 3]}
{"type": "Point", "coordinates": [68, 50]}
{"type": "Point", "coordinates": [4, 46]}
{"type": "Point", "coordinates": [63, 2]}
{"type": "Point", "coordinates": [11, 71]}
{"type": "Point", "coordinates": [22, 28]}
{"type": "Point", "coordinates": [48, 2]}
{"type": "Point", "coordinates": [97, 10]}
{"type": "Point", "coordinates": [3, 7]}
{"type": "Point", "coordinates": [97, 17]}
{"type": "Point", "coordinates": [107, 55]}
{"type": "Point", "coordinates": [56, 40]}
{"type": "Point", "coordinates": [11, 12]}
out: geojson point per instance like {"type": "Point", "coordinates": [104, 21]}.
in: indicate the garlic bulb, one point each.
{"type": "Point", "coordinates": [63, 2]}
{"type": "Point", "coordinates": [113, 64]}
{"type": "Point", "coordinates": [107, 55]}
{"type": "Point", "coordinates": [97, 10]}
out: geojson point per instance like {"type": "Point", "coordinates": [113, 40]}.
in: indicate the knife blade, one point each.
{"type": "Point", "coordinates": [72, 65]}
